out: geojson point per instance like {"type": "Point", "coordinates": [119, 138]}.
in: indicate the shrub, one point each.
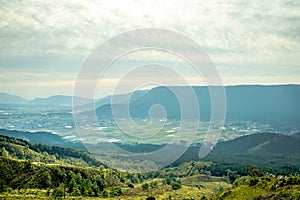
{"type": "Point", "coordinates": [145, 186]}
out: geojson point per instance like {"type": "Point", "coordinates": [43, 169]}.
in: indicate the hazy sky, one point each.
{"type": "Point", "coordinates": [44, 43]}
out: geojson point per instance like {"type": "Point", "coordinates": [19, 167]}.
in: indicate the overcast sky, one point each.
{"type": "Point", "coordinates": [44, 43]}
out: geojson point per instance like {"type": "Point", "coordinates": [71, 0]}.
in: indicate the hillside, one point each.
{"type": "Point", "coordinates": [271, 152]}
{"type": "Point", "coordinates": [265, 187]}
{"type": "Point", "coordinates": [260, 144]}
{"type": "Point", "coordinates": [275, 152]}
{"type": "Point", "coordinates": [36, 171]}
{"type": "Point", "coordinates": [21, 149]}
{"type": "Point", "coordinates": [26, 167]}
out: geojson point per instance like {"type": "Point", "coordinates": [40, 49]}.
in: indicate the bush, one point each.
{"type": "Point", "coordinates": [176, 185]}
{"type": "Point", "coordinates": [116, 191]}
{"type": "Point", "coordinates": [58, 192]}
{"type": "Point", "coordinates": [153, 184]}
{"type": "Point", "coordinates": [253, 181]}
{"type": "Point", "coordinates": [104, 193]}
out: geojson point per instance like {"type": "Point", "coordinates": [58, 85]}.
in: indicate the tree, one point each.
{"type": "Point", "coordinates": [4, 152]}
{"type": "Point", "coordinates": [45, 179]}
{"type": "Point", "coordinates": [116, 191]}
{"type": "Point", "coordinates": [101, 183]}
{"type": "Point", "coordinates": [168, 180]}
{"type": "Point", "coordinates": [72, 185]}
{"type": "Point", "coordinates": [76, 191]}
{"type": "Point", "coordinates": [58, 192]}
{"type": "Point", "coordinates": [254, 172]}
{"type": "Point", "coordinates": [176, 184]}
{"type": "Point", "coordinates": [95, 189]}
{"type": "Point", "coordinates": [153, 184]}
{"type": "Point", "coordinates": [104, 193]}
{"type": "Point", "coordinates": [3, 186]}
{"type": "Point", "coordinates": [145, 186]}
{"type": "Point", "coordinates": [78, 178]}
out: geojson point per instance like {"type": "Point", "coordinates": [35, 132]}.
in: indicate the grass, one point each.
{"type": "Point", "coordinates": [267, 188]}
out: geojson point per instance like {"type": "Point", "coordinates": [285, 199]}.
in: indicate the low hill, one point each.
{"type": "Point", "coordinates": [41, 137]}
{"type": "Point", "coordinates": [260, 144]}
{"type": "Point", "coordinates": [275, 153]}
{"type": "Point", "coordinates": [265, 187]}
{"type": "Point", "coordinates": [22, 149]}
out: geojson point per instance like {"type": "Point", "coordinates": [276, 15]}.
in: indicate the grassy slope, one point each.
{"type": "Point", "coordinates": [266, 187]}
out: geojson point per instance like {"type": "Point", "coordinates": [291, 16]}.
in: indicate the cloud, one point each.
{"type": "Point", "coordinates": [250, 37]}
{"type": "Point", "coordinates": [75, 27]}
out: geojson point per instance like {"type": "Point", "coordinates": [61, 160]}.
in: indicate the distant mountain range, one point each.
{"type": "Point", "coordinates": [249, 102]}
{"type": "Point", "coordinates": [52, 100]}
{"type": "Point", "coordinates": [58, 100]}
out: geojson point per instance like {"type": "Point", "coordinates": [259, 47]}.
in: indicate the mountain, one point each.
{"type": "Point", "coordinates": [86, 103]}
{"type": "Point", "coordinates": [248, 102]}
{"type": "Point", "coordinates": [120, 98]}
{"type": "Point", "coordinates": [264, 103]}
{"type": "Point", "coordinates": [139, 108]}
{"type": "Point", "coordinates": [60, 100]}
{"type": "Point", "coordinates": [116, 98]}
{"type": "Point", "coordinates": [11, 99]}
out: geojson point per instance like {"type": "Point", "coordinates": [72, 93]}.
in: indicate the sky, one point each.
{"type": "Point", "coordinates": [45, 43]}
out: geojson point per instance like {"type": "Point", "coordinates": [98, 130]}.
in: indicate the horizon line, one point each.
{"type": "Point", "coordinates": [227, 85]}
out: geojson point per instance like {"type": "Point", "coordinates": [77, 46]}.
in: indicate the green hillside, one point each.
{"type": "Point", "coordinates": [29, 170]}
{"type": "Point", "coordinates": [21, 149]}
{"type": "Point", "coordinates": [265, 187]}
{"type": "Point", "coordinates": [36, 171]}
